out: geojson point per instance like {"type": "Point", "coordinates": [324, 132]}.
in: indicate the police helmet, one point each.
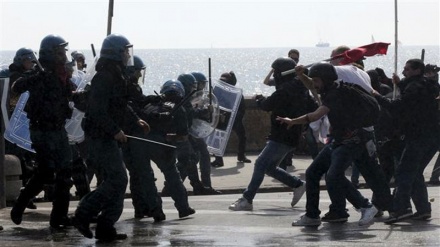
{"type": "Point", "coordinates": [325, 71]}
{"type": "Point", "coordinates": [115, 46]}
{"type": "Point", "coordinates": [138, 63]}
{"type": "Point", "coordinates": [188, 81]}
{"type": "Point", "coordinates": [201, 80]}
{"type": "Point", "coordinates": [173, 87]}
{"type": "Point", "coordinates": [22, 54]}
{"type": "Point", "coordinates": [49, 46]}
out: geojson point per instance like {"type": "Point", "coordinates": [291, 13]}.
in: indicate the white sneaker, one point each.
{"type": "Point", "coordinates": [367, 215]}
{"type": "Point", "coordinates": [241, 204]}
{"type": "Point", "coordinates": [307, 221]}
{"type": "Point", "coordinates": [298, 192]}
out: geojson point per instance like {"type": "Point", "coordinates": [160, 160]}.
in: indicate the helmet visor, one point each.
{"type": "Point", "coordinates": [128, 56]}
{"type": "Point", "coordinates": [141, 76]}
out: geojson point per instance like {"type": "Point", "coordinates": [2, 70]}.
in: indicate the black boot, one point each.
{"type": "Point", "coordinates": [243, 159]}
{"type": "Point", "coordinates": [210, 191]}
{"type": "Point", "coordinates": [157, 214]}
{"type": "Point", "coordinates": [60, 223]}
{"type": "Point", "coordinates": [82, 225]}
{"type": "Point", "coordinates": [107, 233]}
{"type": "Point", "coordinates": [217, 163]}
{"type": "Point", "coordinates": [187, 212]}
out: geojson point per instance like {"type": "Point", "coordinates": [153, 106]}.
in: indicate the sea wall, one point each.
{"type": "Point", "coordinates": [257, 125]}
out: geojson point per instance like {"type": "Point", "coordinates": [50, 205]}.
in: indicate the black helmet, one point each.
{"type": "Point", "coordinates": [280, 65]}
{"type": "Point", "coordinates": [137, 71]}
{"type": "Point", "coordinates": [188, 81]}
{"type": "Point", "coordinates": [115, 46]}
{"type": "Point", "coordinates": [22, 54]}
{"type": "Point", "coordinates": [325, 71]}
{"type": "Point", "coordinates": [49, 46]}
{"type": "Point", "coordinates": [138, 63]}
{"type": "Point", "coordinates": [201, 80]}
{"type": "Point", "coordinates": [173, 87]}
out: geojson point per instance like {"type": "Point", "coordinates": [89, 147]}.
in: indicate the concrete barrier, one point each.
{"type": "Point", "coordinates": [13, 177]}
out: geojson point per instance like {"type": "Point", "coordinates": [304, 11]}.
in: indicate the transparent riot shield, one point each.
{"type": "Point", "coordinates": [73, 125]}
{"type": "Point", "coordinates": [228, 98]}
{"type": "Point", "coordinates": [203, 126]}
{"type": "Point", "coordinates": [17, 131]}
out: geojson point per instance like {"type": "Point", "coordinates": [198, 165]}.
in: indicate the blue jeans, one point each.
{"type": "Point", "coordinates": [267, 163]}
{"type": "Point", "coordinates": [108, 198]}
{"type": "Point", "coordinates": [333, 161]}
{"type": "Point", "coordinates": [410, 182]}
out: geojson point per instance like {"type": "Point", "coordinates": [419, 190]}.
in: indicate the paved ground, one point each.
{"type": "Point", "coordinates": [269, 224]}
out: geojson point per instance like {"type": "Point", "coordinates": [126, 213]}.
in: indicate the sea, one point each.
{"type": "Point", "coordinates": [251, 65]}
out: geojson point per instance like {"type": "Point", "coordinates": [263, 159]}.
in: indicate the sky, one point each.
{"type": "Point", "coordinates": [220, 24]}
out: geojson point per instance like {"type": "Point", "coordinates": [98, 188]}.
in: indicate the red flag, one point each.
{"type": "Point", "coordinates": [356, 54]}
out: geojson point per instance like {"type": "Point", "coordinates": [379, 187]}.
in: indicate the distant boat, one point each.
{"type": "Point", "coordinates": [322, 44]}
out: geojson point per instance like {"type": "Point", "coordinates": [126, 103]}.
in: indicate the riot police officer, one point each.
{"type": "Point", "coordinates": [47, 109]}
{"type": "Point", "coordinates": [106, 110]}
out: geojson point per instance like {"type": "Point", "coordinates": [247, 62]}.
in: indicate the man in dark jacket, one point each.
{"type": "Point", "coordinates": [417, 110]}
{"type": "Point", "coordinates": [105, 115]}
{"type": "Point", "coordinates": [291, 99]}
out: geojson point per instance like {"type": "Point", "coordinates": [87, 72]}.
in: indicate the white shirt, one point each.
{"type": "Point", "coordinates": [352, 74]}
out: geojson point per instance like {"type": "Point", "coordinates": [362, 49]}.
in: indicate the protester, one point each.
{"type": "Point", "coordinates": [291, 99]}
{"type": "Point", "coordinates": [417, 109]}
{"type": "Point", "coordinates": [237, 127]}
{"type": "Point", "coordinates": [106, 111]}
{"type": "Point", "coordinates": [47, 109]}
{"type": "Point", "coordinates": [431, 74]}
{"type": "Point", "coordinates": [348, 143]}
{"type": "Point", "coordinates": [80, 60]}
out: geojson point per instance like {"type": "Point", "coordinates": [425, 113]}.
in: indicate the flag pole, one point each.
{"type": "Point", "coordinates": [396, 45]}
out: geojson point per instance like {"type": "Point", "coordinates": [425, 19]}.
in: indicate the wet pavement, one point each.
{"type": "Point", "coordinates": [269, 224]}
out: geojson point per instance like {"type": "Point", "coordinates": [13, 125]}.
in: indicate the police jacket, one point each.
{"type": "Point", "coordinates": [291, 99]}
{"type": "Point", "coordinates": [107, 101]}
{"type": "Point", "coordinates": [137, 101]}
{"type": "Point", "coordinates": [48, 104]}
{"type": "Point", "coordinates": [416, 109]}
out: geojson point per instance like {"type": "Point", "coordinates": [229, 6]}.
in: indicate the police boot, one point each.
{"type": "Point", "coordinates": [243, 159]}
{"type": "Point", "coordinates": [32, 188]}
{"type": "Point", "coordinates": [157, 214]}
{"type": "Point", "coordinates": [82, 225]}
{"type": "Point", "coordinates": [18, 210]}
{"type": "Point", "coordinates": [198, 188]}
{"type": "Point", "coordinates": [107, 233]}
{"type": "Point", "coordinates": [60, 204]}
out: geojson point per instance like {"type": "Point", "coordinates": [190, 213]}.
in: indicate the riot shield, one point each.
{"type": "Point", "coordinates": [73, 125]}
{"type": "Point", "coordinates": [17, 130]}
{"type": "Point", "coordinates": [228, 98]}
{"type": "Point", "coordinates": [203, 126]}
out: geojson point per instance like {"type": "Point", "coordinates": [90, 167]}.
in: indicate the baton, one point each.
{"type": "Point", "coordinates": [147, 140]}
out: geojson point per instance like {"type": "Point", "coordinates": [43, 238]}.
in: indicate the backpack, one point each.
{"type": "Point", "coordinates": [363, 108]}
